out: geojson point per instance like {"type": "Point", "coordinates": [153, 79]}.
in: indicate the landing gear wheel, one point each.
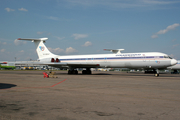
{"type": "Point", "coordinates": [69, 71]}
{"type": "Point", "coordinates": [88, 72]}
{"type": "Point", "coordinates": [76, 72]}
{"type": "Point", "coordinates": [84, 72]}
{"type": "Point", "coordinates": [156, 75]}
{"type": "Point", "coordinates": [72, 72]}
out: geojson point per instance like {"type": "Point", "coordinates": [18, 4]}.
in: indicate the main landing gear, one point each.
{"type": "Point", "coordinates": [87, 71]}
{"type": "Point", "coordinates": [72, 72]}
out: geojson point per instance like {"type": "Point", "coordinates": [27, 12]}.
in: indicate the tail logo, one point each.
{"type": "Point", "coordinates": [42, 48]}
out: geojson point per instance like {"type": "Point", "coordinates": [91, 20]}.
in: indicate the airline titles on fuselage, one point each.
{"type": "Point", "coordinates": [130, 55]}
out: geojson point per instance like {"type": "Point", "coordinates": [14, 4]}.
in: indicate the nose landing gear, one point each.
{"type": "Point", "coordinates": [157, 73]}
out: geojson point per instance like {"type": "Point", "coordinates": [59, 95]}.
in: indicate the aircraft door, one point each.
{"type": "Point", "coordinates": [144, 58]}
{"type": "Point", "coordinates": [92, 60]}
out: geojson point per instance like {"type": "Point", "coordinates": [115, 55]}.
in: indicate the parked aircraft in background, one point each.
{"type": "Point", "coordinates": [175, 67]}
{"type": "Point", "coordinates": [3, 63]}
{"type": "Point", "coordinates": [146, 60]}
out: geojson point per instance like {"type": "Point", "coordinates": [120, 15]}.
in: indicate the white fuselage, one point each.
{"type": "Point", "coordinates": [151, 60]}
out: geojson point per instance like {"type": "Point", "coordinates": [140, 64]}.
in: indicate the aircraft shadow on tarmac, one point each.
{"type": "Point", "coordinates": [6, 86]}
{"type": "Point", "coordinates": [83, 74]}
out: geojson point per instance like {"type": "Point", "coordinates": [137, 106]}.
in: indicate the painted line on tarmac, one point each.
{"type": "Point", "coordinates": [58, 83]}
{"type": "Point", "coordinates": [35, 87]}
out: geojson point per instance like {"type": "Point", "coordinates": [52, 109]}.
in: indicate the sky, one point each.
{"type": "Point", "coordinates": [78, 27]}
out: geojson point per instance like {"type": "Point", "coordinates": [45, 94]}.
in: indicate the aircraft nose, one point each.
{"type": "Point", "coordinates": [173, 62]}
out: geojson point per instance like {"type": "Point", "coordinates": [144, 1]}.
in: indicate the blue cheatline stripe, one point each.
{"type": "Point", "coordinates": [112, 58]}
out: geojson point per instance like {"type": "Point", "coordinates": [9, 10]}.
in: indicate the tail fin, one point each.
{"type": "Point", "coordinates": [41, 49]}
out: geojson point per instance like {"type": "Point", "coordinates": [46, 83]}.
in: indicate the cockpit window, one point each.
{"type": "Point", "coordinates": [170, 57]}
{"type": "Point", "coordinates": [167, 57]}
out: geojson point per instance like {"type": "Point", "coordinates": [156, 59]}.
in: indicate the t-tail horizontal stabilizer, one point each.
{"type": "Point", "coordinates": [117, 51]}
{"type": "Point", "coordinates": [32, 39]}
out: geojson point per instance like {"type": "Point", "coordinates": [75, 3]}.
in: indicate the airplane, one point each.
{"type": "Point", "coordinates": [3, 63]}
{"type": "Point", "coordinates": [146, 60]}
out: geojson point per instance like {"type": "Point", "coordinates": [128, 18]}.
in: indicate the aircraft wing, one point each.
{"type": "Point", "coordinates": [60, 64]}
{"type": "Point", "coordinates": [73, 65]}
{"type": "Point", "coordinates": [83, 65]}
